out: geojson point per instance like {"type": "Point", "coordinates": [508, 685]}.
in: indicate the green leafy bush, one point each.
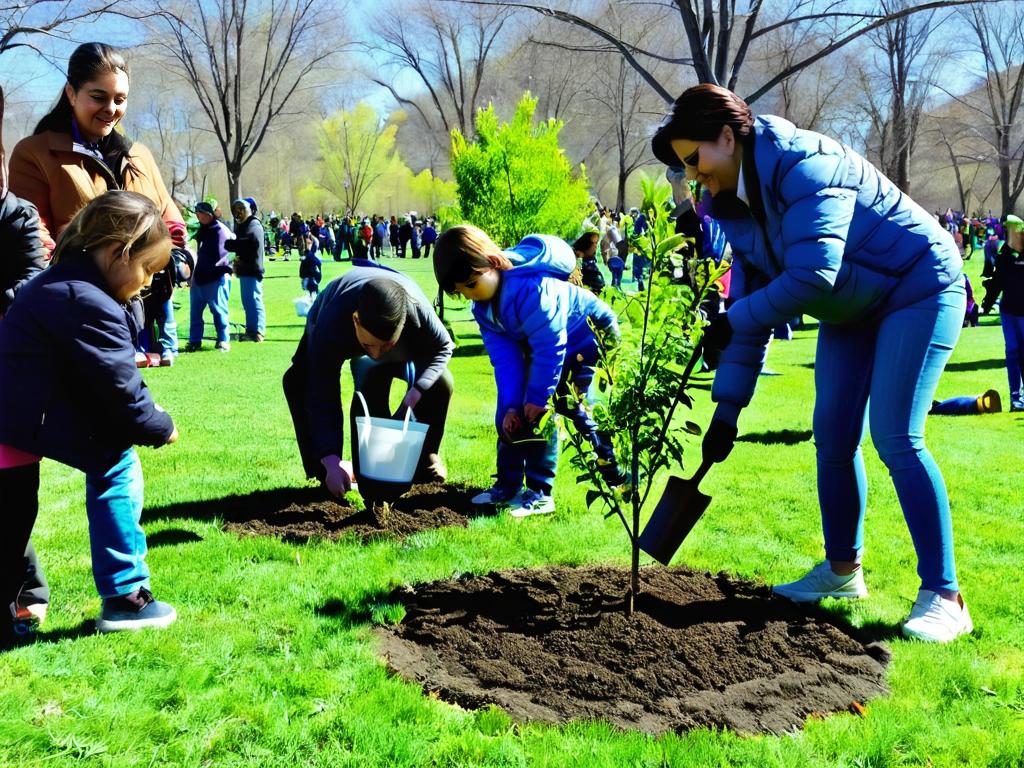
{"type": "Point", "coordinates": [514, 179]}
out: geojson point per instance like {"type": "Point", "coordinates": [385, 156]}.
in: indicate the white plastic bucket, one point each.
{"type": "Point", "coordinates": [389, 449]}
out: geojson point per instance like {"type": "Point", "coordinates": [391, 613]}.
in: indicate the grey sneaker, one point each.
{"type": "Point", "coordinates": [531, 502]}
{"type": "Point", "coordinates": [223, 346]}
{"type": "Point", "coordinates": [821, 582]}
{"type": "Point", "coordinates": [496, 494]}
{"type": "Point", "coordinates": [135, 610]}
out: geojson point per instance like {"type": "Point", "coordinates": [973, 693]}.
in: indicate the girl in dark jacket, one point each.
{"type": "Point", "coordinates": [70, 391]}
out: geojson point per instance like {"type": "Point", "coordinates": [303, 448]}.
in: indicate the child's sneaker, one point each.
{"type": "Point", "coordinates": [937, 620]}
{"type": "Point", "coordinates": [193, 347]}
{"type": "Point", "coordinates": [823, 582]}
{"type": "Point", "coordinates": [133, 611]}
{"type": "Point", "coordinates": [496, 494]}
{"type": "Point", "coordinates": [223, 346]}
{"type": "Point", "coordinates": [531, 502]}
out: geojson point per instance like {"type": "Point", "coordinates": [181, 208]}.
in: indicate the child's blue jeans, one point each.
{"type": "Point", "coordinates": [896, 363]}
{"type": "Point", "coordinates": [113, 504]}
{"type": "Point", "coordinates": [252, 303]}
{"type": "Point", "coordinates": [1013, 335]}
{"type": "Point", "coordinates": [537, 461]}
{"type": "Point", "coordinates": [214, 295]}
{"type": "Point", "coordinates": [168, 328]}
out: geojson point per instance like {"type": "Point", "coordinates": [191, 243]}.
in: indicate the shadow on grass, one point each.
{"type": "Point", "coordinates": [777, 437]}
{"type": "Point", "coordinates": [237, 507]}
{"type": "Point", "coordinates": [85, 629]}
{"type": "Point", "coordinates": [171, 537]}
{"type": "Point", "coordinates": [368, 609]}
{"type": "Point", "coordinates": [977, 365]}
{"type": "Point", "coordinates": [469, 350]}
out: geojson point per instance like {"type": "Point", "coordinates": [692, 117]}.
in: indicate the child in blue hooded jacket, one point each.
{"type": "Point", "coordinates": [535, 328]}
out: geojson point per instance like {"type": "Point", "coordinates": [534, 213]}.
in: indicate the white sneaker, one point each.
{"type": "Point", "coordinates": [821, 581]}
{"type": "Point", "coordinates": [530, 502]}
{"type": "Point", "coordinates": [937, 620]}
{"type": "Point", "coordinates": [496, 494]}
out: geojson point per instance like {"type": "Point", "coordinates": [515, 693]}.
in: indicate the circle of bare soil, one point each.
{"type": "Point", "coordinates": [554, 645]}
{"type": "Point", "coordinates": [300, 514]}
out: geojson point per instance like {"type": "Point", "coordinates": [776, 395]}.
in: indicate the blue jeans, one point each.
{"type": "Point", "coordinates": [113, 504]}
{"type": "Point", "coordinates": [214, 295]}
{"type": "Point", "coordinates": [252, 302]}
{"type": "Point", "coordinates": [896, 363]}
{"type": "Point", "coordinates": [1013, 335]}
{"type": "Point", "coordinates": [537, 460]}
{"type": "Point", "coordinates": [168, 328]}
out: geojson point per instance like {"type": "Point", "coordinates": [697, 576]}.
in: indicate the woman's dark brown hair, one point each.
{"type": "Point", "coordinates": [699, 115]}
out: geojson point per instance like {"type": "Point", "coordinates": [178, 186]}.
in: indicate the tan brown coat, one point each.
{"type": "Point", "coordinates": [46, 171]}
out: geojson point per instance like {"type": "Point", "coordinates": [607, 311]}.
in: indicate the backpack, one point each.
{"type": "Point", "coordinates": [184, 264]}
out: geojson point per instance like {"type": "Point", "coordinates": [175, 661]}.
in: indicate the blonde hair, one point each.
{"type": "Point", "coordinates": [117, 216]}
{"type": "Point", "coordinates": [460, 251]}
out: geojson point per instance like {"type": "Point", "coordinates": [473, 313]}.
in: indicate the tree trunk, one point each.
{"type": "Point", "coordinates": [620, 191]}
{"type": "Point", "coordinates": [234, 181]}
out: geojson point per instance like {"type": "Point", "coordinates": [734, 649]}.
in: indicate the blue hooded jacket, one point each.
{"type": "Point", "coordinates": [838, 241]}
{"type": "Point", "coordinates": [535, 319]}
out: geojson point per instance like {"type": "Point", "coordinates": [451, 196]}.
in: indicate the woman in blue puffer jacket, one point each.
{"type": "Point", "coordinates": [816, 229]}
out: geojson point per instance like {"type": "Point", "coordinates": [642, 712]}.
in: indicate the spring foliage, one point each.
{"type": "Point", "coordinates": [514, 179]}
{"type": "Point", "coordinates": [644, 378]}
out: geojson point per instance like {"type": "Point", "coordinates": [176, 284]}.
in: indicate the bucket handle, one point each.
{"type": "Point", "coordinates": [365, 436]}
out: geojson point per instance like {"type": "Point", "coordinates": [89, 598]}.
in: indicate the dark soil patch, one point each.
{"type": "Point", "coordinates": [299, 514]}
{"type": "Point", "coordinates": [554, 645]}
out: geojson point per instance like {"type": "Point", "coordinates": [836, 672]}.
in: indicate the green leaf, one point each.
{"type": "Point", "coordinates": [592, 496]}
{"type": "Point", "coordinates": [693, 429]}
{"type": "Point", "coordinates": [670, 244]}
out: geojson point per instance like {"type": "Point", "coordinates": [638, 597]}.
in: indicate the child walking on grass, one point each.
{"type": "Point", "coordinates": [535, 328]}
{"type": "Point", "coordinates": [70, 391]}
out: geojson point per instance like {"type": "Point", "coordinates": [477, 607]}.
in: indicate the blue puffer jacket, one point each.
{"type": "Point", "coordinates": [536, 319]}
{"type": "Point", "coordinates": [839, 242]}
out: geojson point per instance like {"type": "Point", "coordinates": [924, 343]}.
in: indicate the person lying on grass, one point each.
{"type": "Point", "coordinates": [815, 229]}
{"type": "Point", "coordinates": [535, 328]}
{"type": "Point", "coordinates": [70, 391]}
{"type": "Point", "coordinates": [384, 323]}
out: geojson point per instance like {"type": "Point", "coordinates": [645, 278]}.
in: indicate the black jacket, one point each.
{"type": "Point", "coordinates": [69, 388]}
{"type": "Point", "coordinates": [22, 253]}
{"type": "Point", "coordinates": [248, 246]}
{"type": "Point", "coordinates": [1008, 279]}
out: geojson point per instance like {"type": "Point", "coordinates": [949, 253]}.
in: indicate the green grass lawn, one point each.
{"type": "Point", "coordinates": [255, 673]}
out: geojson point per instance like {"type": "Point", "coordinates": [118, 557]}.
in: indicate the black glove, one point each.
{"type": "Point", "coordinates": [717, 333]}
{"type": "Point", "coordinates": [718, 440]}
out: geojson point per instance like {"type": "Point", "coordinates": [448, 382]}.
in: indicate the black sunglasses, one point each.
{"type": "Point", "coordinates": [693, 158]}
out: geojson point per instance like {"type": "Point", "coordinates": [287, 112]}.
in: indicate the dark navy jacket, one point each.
{"type": "Point", "coordinates": [69, 388]}
{"type": "Point", "coordinates": [1008, 279]}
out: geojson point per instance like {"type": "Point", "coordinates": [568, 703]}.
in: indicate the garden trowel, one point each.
{"type": "Point", "coordinates": [678, 510]}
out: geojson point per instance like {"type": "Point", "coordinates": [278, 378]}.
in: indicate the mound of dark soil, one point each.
{"type": "Point", "coordinates": [554, 645]}
{"type": "Point", "coordinates": [299, 514]}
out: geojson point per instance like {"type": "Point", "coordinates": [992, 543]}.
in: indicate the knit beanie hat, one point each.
{"type": "Point", "coordinates": [204, 207]}
{"type": "Point", "coordinates": [1014, 223]}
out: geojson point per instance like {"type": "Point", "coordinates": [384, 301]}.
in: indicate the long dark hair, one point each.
{"type": "Point", "coordinates": [88, 62]}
